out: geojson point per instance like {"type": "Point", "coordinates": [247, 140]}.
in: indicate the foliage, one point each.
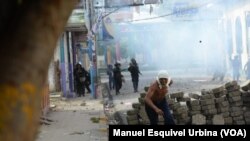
{"type": "Point", "coordinates": [95, 119]}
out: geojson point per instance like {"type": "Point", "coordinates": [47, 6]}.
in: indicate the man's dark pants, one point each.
{"type": "Point", "coordinates": [153, 116]}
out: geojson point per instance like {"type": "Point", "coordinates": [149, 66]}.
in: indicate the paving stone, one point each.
{"type": "Point", "coordinates": [198, 119]}
{"type": "Point", "coordinates": [218, 120]}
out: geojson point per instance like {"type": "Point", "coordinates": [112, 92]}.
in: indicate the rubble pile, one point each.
{"type": "Point", "coordinates": [228, 104]}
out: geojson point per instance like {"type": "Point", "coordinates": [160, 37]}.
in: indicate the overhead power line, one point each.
{"type": "Point", "coordinates": [165, 15]}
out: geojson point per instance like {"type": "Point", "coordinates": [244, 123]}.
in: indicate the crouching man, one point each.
{"type": "Point", "coordinates": [155, 100]}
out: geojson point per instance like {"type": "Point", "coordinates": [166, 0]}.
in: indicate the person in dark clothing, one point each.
{"type": "Point", "coordinates": [80, 78]}
{"type": "Point", "coordinates": [155, 100]}
{"type": "Point", "coordinates": [218, 75]}
{"type": "Point", "coordinates": [117, 78]}
{"type": "Point", "coordinates": [87, 82]}
{"type": "Point", "coordinates": [134, 71]}
{"type": "Point", "coordinates": [236, 67]}
{"type": "Point", "coordinates": [219, 71]}
{"type": "Point", "coordinates": [111, 77]}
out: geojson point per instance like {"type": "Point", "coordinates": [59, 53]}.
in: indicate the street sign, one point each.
{"type": "Point", "coordinates": [184, 9]}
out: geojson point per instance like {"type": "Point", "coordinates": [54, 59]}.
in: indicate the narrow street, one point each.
{"type": "Point", "coordinates": [53, 50]}
{"type": "Point", "coordinates": [72, 119]}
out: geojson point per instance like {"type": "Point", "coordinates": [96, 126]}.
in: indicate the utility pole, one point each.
{"type": "Point", "coordinates": [92, 49]}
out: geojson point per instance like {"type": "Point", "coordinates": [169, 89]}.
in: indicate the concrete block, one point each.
{"type": "Point", "coordinates": [218, 120]}
{"type": "Point", "coordinates": [198, 119]}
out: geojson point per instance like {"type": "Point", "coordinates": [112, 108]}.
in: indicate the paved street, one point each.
{"type": "Point", "coordinates": [182, 83]}
{"type": "Point", "coordinates": [72, 117]}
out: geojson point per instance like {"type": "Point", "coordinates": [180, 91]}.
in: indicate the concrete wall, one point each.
{"type": "Point", "coordinates": [53, 76]}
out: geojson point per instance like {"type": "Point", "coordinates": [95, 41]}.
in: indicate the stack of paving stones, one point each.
{"type": "Point", "coordinates": [194, 104]}
{"type": "Point", "coordinates": [132, 115]}
{"type": "Point", "coordinates": [179, 108]}
{"type": "Point", "coordinates": [235, 102]}
{"type": "Point", "coordinates": [142, 115]}
{"type": "Point", "coordinates": [222, 105]}
{"type": "Point", "coordinates": [228, 104]}
{"type": "Point", "coordinates": [246, 101]}
{"type": "Point", "coordinates": [207, 102]}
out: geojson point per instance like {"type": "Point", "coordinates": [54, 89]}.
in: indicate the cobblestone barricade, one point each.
{"type": "Point", "coordinates": [228, 104]}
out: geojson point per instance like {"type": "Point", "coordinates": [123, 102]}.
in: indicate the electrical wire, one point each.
{"type": "Point", "coordinates": [166, 15]}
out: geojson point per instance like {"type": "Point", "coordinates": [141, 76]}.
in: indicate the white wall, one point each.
{"type": "Point", "coordinates": [51, 71]}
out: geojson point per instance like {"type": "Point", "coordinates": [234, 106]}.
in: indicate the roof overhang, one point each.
{"type": "Point", "coordinates": [76, 21]}
{"type": "Point", "coordinates": [76, 27]}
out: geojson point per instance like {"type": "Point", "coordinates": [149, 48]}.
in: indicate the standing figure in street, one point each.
{"type": "Point", "coordinates": [247, 69]}
{"type": "Point", "coordinates": [111, 77]}
{"type": "Point", "coordinates": [219, 71]}
{"type": "Point", "coordinates": [87, 82]}
{"type": "Point", "coordinates": [117, 78]}
{"type": "Point", "coordinates": [80, 78]}
{"type": "Point", "coordinates": [155, 100]}
{"type": "Point", "coordinates": [236, 67]}
{"type": "Point", "coordinates": [134, 71]}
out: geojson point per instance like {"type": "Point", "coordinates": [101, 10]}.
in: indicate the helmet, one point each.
{"type": "Point", "coordinates": [117, 64]}
{"type": "Point", "coordinates": [133, 60]}
{"type": "Point", "coordinates": [162, 74]}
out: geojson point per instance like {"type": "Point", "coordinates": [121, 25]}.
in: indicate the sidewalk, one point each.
{"type": "Point", "coordinates": [75, 119]}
